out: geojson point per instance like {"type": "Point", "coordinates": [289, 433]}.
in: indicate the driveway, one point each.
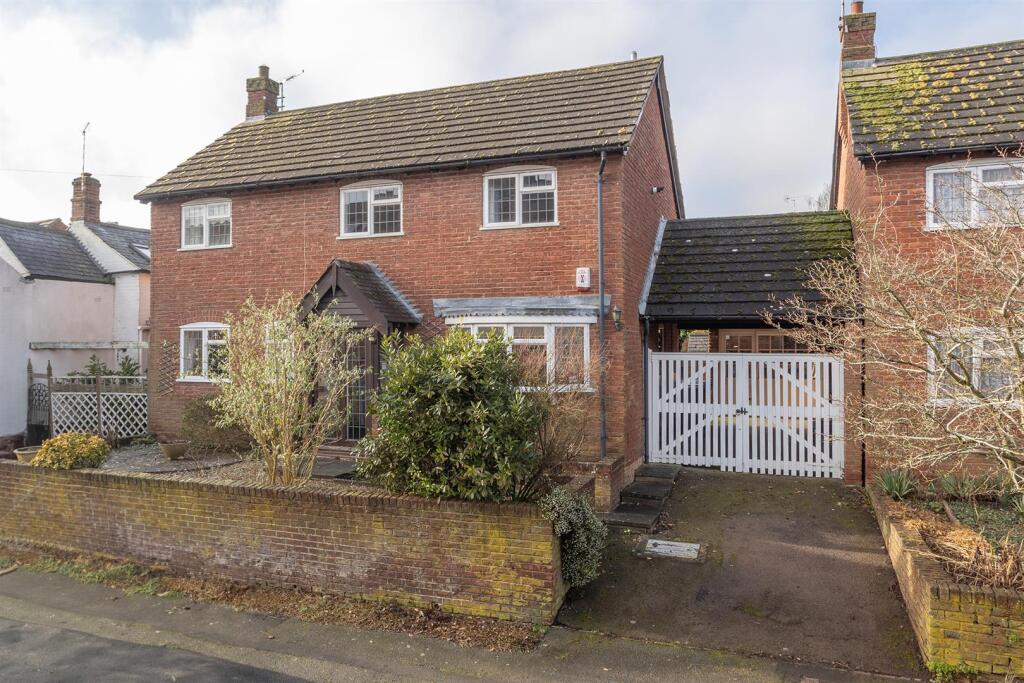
{"type": "Point", "coordinates": [792, 567]}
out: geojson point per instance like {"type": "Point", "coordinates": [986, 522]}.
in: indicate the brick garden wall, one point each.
{"type": "Point", "coordinates": [473, 558]}
{"type": "Point", "coordinates": [954, 624]}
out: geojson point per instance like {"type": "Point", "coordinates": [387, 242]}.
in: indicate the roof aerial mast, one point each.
{"type": "Point", "coordinates": [280, 98]}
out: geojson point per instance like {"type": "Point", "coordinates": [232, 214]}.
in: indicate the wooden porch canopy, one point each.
{"type": "Point", "coordinates": [727, 272]}
{"type": "Point", "coordinates": [360, 291]}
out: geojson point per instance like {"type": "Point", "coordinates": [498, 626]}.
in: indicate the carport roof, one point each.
{"type": "Point", "coordinates": [737, 268]}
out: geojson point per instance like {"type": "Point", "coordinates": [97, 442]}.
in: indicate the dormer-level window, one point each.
{"type": "Point", "coordinates": [206, 225]}
{"type": "Point", "coordinates": [967, 195]}
{"type": "Point", "coordinates": [371, 211]}
{"type": "Point", "coordinates": [514, 199]}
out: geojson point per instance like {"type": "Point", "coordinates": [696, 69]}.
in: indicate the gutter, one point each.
{"type": "Point", "coordinates": [160, 196]}
{"type": "Point", "coordinates": [936, 152]}
{"type": "Point", "coordinates": [600, 309]}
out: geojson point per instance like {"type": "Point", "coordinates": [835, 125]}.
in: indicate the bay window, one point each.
{"type": "Point", "coordinates": [556, 353]}
{"type": "Point", "coordinates": [520, 198]}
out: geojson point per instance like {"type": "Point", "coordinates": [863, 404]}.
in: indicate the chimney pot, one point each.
{"type": "Point", "coordinates": [262, 94]}
{"type": "Point", "coordinates": [857, 7]}
{"type": "Point", "coordinates": [85, 199]}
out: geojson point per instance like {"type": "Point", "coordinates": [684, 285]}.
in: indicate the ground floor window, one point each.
{"type": "Point", "coordinates": [557, 351]}
{"type": "Point", "coordinates": [758, 341]}
{"type": "Point", "coordinates": [202, 351]}
{"type": "Point", "coordinates": [972, 359]}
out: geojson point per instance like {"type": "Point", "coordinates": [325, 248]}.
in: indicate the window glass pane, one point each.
{"type": "Point", "coordinates": [532, 332]}
{"type": "Point", "coordinates": [1002, 203]}
{"type": "Point", "coordinates": [538, 180]}
{"type": "Point", "coordinates": [387, 218]}
{"type": "Point", "coordinates": [192, 353]}
{"type": "Point", "coordinates": [951, 195]}
{"type": "Point", "coordinates": [217, 335]}
{"type": "Point", "coordinates": [385, 194]}
{"type": "Point", "coordinates": [739, 343]}
{"type": "Point", "coordinates": [220, 231]}
{"type": "Point", "coordinates": [995, 372]}
{"type": "Point", "coordinates": [484, 331]}
{"type": "Point", "coordinates": [999, 174]}
{"type": "Point", "coordinates": [538, 207]}
{"type": "Point", "coordinates": [356, 393]}
{"type": "Point", "coordinates": [356, 203]}
{"type": "Point", "coordinates": [569, 355]}
{"type": "Point", "coordinates": [533, 359]}
{"type": "Point", "coordinates": [216, 358]}
{"type": "Point", "coordinates": [501, 200]}
{"type": "Point", "coordinates": [954, 367]}
{"type": "Point", "coordinates": [193, 229]}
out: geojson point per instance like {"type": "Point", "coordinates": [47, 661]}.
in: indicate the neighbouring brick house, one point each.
{"type": "Point", "coordinates": [922, 134]}
{"type": "Point", "coordinates": [475, 205]}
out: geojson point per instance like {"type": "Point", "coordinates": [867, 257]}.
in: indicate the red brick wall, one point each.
{"type": "Point", "coordinates": [474, 558]}
{"type": "Point", "coordinates": [283, 239]}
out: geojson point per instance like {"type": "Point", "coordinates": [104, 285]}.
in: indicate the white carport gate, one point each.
{"type": "Point", "coordinates": [764, 413]}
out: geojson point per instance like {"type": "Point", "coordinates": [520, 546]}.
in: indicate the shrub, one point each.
{"type": "Point", "coordinates": [199, 425]}
{"type": "Point", "coordinates": [898, 484]}
{"type": "Point", "coordinates": [968, 487]}
{"type": "Point", "coordinates": [582, 535]}
{"type": "Point", "coordinates": [452, 422]}
{"type": "Point", "coordinates": [72, 451]}
{"type": "Point", "coordinates": [1017, 505]}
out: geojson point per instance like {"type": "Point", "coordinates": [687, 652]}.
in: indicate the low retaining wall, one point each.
{"type": "Point", "coordinates": [474, 558]}
{"type": "Point", "coordinates": [954, 623]}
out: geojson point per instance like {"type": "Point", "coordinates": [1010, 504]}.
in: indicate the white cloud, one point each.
{"type": "Point", "coordinates": [752, 83]}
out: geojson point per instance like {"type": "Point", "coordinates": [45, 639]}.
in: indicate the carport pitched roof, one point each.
{"type": "Point", "coordinates": [736, 268]}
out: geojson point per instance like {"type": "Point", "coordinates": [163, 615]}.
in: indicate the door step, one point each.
{"type": "Point", "coordinates": [641, 502]}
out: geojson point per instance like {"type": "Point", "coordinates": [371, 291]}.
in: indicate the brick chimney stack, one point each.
{"type": "Point", "coordinates": [85, 199]}
{"type": "Point", "coordinates": [263, 92]}
{"type": "Point", "coordinates": [857, 34]}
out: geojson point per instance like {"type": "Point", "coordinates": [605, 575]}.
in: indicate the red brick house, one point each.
{"type": "Point", "coordinates": [475, 205]}
{"type": "Point", "coordinates": [911, 128]}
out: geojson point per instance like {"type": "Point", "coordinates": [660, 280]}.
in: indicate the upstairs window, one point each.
{"type": "Point", "coordinates": [519, 199]}
{"type": "Point", "coordinates": [203, 352]}
{"type": "Point", "coordinates": [206, 225]}
{"type": "Point", "coordinates": [369, 211]}
{"type": "Point", "coordinates": [969, 195]}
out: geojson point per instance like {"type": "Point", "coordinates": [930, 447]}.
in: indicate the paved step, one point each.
{"type": "Point", "coordinates": [333, 469]}
{"type": "Point", "coordinates": [658, 470]}
{"type": "Point", "coordinates": [632, 516]}
{"type": "Point", "coordinates": [645, 489]}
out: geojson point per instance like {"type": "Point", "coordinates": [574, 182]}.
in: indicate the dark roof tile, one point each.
{"type": "Point", "coordinates": [49, 253]}
{"type": "Point", "coordinates": [124, 240]}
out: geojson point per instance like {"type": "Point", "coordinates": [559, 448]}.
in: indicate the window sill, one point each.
{"type": "Point", "coordinates": [218, 246]}
{"type": "Point", "coordinates": [517, 227]}
{"type": "Point", "coordinates": [201, 380]}
{"type": "Point", "coordinates": [361, 236]}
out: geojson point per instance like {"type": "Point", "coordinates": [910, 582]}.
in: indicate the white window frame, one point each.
{"type": "Point", "coordinates": [474, 323]}
{"type": "Point", "coordinates": [518, 172]}
{"type": "Point", "coordinates": [972, 169]}
{"type": "Point", "coordinates": [369, 187]}
{"type": "Point", "coordinates": [206, 203]}
{"type": "Point", "coordinates": [978, 354]}
{"type": "Point", "coordinates": [205, 328]}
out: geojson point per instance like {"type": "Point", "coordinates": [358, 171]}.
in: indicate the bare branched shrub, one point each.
{"type": "Point", "coordinates": [284, 380]}
{"type": "Point", "coordinates": [980, 563]}
{"type": "Point", "coordinates": [937, 322]}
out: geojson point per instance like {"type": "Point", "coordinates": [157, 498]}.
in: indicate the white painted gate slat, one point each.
{"type": "Point", "coordinates": [764, 413]}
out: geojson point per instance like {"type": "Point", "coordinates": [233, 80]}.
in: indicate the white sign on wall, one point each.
{"type": "Point", "coordinates": [583, 278]}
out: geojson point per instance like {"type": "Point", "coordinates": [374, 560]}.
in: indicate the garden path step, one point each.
{"type": "Point", "coordinates": [647, 489]}
{"type": "Point", "coordinates": [658, 470]}
{"type": "Point", "coordinates": [632, 516]}
{"type": "Point", "coordinates": [333, 469]}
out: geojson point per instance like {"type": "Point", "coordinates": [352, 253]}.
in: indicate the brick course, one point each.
{"type": "Point", "coordinates": [981, 627]}
{"type": "Point", "coordinates": [485, 559]}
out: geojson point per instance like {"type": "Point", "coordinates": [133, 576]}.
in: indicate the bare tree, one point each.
{"type": "Point", "coordinates": [937, 324]}
{"type": "Point", "coordinates": [284, 381]}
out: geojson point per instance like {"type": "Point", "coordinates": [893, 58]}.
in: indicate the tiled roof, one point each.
{"type": "Point", "coordinates": [963, 99]}
{"type": "Point", "coordinates": [531, 116]}
{"type": "Point", "coordinates": [380, 291]}
{"type": "Point", "coordinates": [124, 240]}
{"type": "Point", "coordinates": [49, 253]}
{"type": "Point", "coordinates": [731, 268]}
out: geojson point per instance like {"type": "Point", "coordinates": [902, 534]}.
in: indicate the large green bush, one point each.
{"type": "Point", "coordinates": [199, 425]}
{"type": "Point", "coordinates": [451, 421]}
{"type": "Point", "coordinates": [71, 451]}
{"type": "Point", "coordinates": [582, 535]}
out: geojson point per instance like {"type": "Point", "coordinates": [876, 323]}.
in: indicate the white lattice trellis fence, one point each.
{"type": "Point", "coordinates": [100, 405]}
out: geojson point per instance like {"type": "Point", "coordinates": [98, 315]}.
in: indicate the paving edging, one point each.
{"type": "Point", "coordinates": [954, 623]}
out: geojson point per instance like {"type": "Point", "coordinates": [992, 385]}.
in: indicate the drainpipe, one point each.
{"type": "Point", "coordinates": [600, 304]}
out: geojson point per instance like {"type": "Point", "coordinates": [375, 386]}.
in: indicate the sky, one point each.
{"type": "Point", "coordinates": [752, 83]}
